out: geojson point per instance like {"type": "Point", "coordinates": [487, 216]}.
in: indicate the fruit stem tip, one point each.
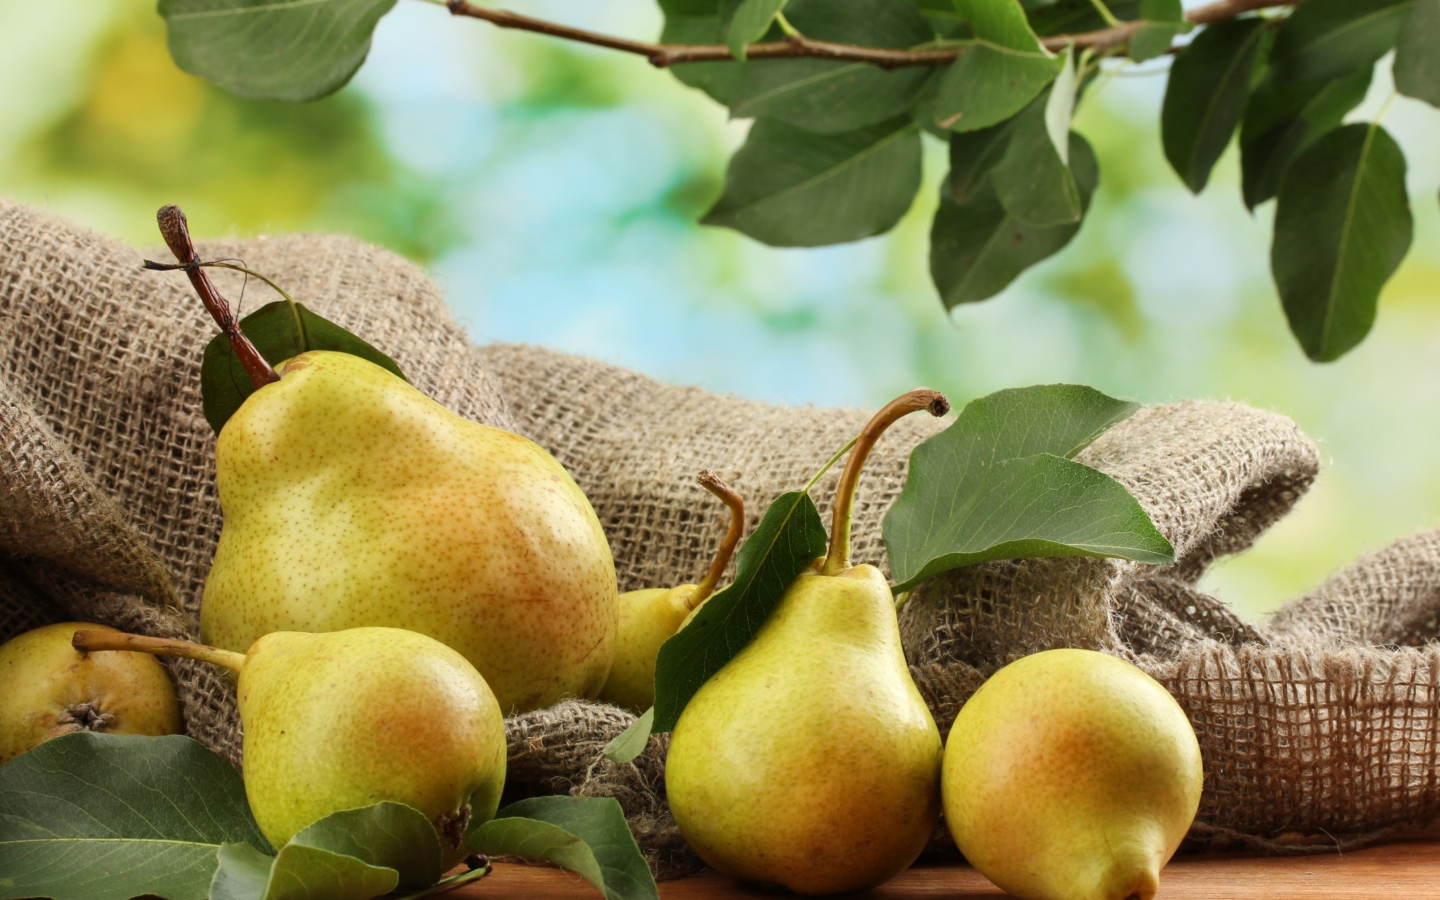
{"type": "Point", "coordinates": [712, 483]}
{"type": "Point", "coordinates": [937, 404]}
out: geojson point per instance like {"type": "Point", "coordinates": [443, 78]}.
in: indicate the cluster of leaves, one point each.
{"type": "Point", "coordinates": [109, 817]}
{"type": "Point", "coordinates": [998, 483]}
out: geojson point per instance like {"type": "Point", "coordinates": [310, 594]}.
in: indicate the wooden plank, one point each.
{"type": "Point", "coordinates": [1409, 870]}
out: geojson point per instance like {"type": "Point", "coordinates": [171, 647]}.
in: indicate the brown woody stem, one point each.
{"type": "Point", "coordinates": [87, 641]}
{"type": "Point", "coordinates": [712, 483]}
{"type": "Point", "coordinates": [176, 232]}
{"type": "Point", "coordinates": [838, 559]}
{"type": "Point", "coordinates": [665, 55]}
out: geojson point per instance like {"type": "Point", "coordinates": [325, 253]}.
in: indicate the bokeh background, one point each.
{"type": "Point", "coordinates": [553, 191]}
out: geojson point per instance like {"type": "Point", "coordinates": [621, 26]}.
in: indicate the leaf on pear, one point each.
{"type": "Point", "coordinates": [91, 816]}
{"type": "Point", "coordinates": [1284, 118]}
{"type": "Point", "coordinates": [279, 330]}
{"type": "Point", "coordinates": [272, 51]}
{"type": "Point", "coordinates": [789, 536]}
{"type": "Point", "coordinates": [1342, 226]}
{"type": "Point", "coordinates": [827, 96]}
{"type": "Point", "coordinates": [999, 484]}
{"type": "Point", "coordinates": [788, 187]}
{"type": "Point", "coordinates": [1417, 64]}
{"type": "Point", "coordinates": [977, 247]}
{"type": "Point", "coordinates": [587, 835]}
{"type": "Point", "coordinates": [1209, 84]}
{"type": "Point", "coordinates": [1333, 38]}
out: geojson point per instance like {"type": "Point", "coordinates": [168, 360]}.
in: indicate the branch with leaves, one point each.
{"type": "Point", "coordinates": [842, 92]}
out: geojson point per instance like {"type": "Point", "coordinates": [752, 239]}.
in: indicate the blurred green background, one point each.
{"type": "Point", "coordinates": [552, 190]}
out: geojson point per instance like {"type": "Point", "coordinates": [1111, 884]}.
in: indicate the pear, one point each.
{"type": "Point", "coordinates": [51, 689]}
{"type": "Point", "coordinates": [651, 616]}
{"type": "Point", "coordinates": [351, 718]}
{"type": "Point", "coordinates": [1071, 775]}
{"type": "Point", "coordinates": [352, 499]}
{"type": "Point", "coordinates": [810, 760]}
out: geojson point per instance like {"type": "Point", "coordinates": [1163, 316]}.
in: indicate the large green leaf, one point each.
{"type": "Point", "coordinates": [1001, 22]}
{"type": "Point", "coordinates": [587, 835]}
{"type": "Point", "coordinates": [989, 83]}
{"type": "Point", "coordinates": [749, 22]}
{"type": "Point", "coordinates": [109, 817]}
{"type": "Point", "coordinates": [1333, 38]}
{"type": "Point", "coordinates": [1283, 118]}
{"type": "Point", "coordinates": [999, 484]}
{"type": "Point", "coordinates": [287, 50]}
{"type": "Point", "coordinates": [349, 855]}
{"type": "Point", "coordinates": [973, 156]}
{"type": "Point", "coordinates": [1034, 180]}
{"type": "Point", "coordinates": [1342, 226]}
{"type": "Point", "coordinates": [827, 96]}
{"type": "Point", "coordinates": [977, 248]}
{"type": "Point", "coordinates": [1209, 84]}
{"type": "Point", "coordinates": [789, 536]}
{"type": "Point", "coordinates": [701, 22]}
{"type": "Point", "coordinates": [279, 330]}
{"type": "Point", "coordinates": [788, 187]}
{"type": "Point", "coordinates": [1417, 59]}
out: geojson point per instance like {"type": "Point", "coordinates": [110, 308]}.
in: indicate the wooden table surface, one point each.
{"type": "Point", "coordinates": [1407, 868]}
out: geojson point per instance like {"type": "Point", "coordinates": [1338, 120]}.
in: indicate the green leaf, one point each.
{"type": "Point", "coordinates": [788, 187]}
{"type": "Point", "coordinates": [999, 484]}
{"type": "Point", "coordinates": [279, 331]}
{"type": "Point", "coordinates": [1033, 180]}
{"type": "Point", "coordinates": [1077, 16]}
{"type": "Point", "coordinates": [587, 835]}
{"type": "Point", "coordinates": [1417, 59]}
{"type": "Point", "coordinates": [749, 23]}
{"type": "Point", "coordinates": [297, 873]}
{"type": "Point", "coordinates": [108, 817]}
{"type": "Point", "coordinates": [789, 536]}
{"type": "Point", "coordinates": [631, 742]}
{"type": "Point", "coordinates": [295, 50]}
{"type": "Point", "coordinates": [1163, 20]}
{"type": "Point", "coordinates": [1333, 38]}
{"type": "Point", "coordinates": [973, 155]}
{"type": "Point", "coordinates": [989, 83]}
{"type": "Point", "coordinates": [1342, 226]}
{"type": "Point", "coordinates": [700, 22]}
{"type": "Point", "coordinates": [977, 248]}
{"type": "Point", "coordinates": [1000, 22]}
{"type": "Point", "coordinates": [1209, 83]}
{"type": "Point", "coordinates": [827, 96]}
{"type": "Point", "coordinates": [1283, 118]}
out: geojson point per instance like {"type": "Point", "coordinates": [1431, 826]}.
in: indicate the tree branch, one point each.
{"type": "Point", "coordinates": [792, 47]}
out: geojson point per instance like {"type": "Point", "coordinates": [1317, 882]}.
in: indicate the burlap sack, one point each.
{"type": "Point", "coordinates": [1318, 727]}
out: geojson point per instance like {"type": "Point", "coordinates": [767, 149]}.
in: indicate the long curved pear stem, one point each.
{"type": "Point", "coordinates": [176, 232]}
{"type": "Point", "coordinates": [86, 641]}
{"type": "Point", "coordinates": [837, 559]}
{"type": "Point", "coordinates": [712, 483]}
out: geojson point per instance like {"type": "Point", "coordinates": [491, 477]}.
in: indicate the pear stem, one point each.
{"type": "Point", "coordinates": [176, 232]}
{"type": "Point", "coordinates": [88, 641]}
{"type": "Point", "coordinates": [712, 483]}
{"type": "Point", "coordinates": [837, 560]}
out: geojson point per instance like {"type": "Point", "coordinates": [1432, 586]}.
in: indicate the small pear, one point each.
{"type": "Point", "coordinates": [352, 499]}
{"type": "Point", "coordinates": [346, 719]}
{"type": "Point", "coordinates": [810, 759]}
{"type": "Point", "coordinates": [51, 689]}
{"type": "Point", "coordinates": [651, 616]}
{"type": "Point", "coordinates": [1071, 775]}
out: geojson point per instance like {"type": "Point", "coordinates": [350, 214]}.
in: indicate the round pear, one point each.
{"type": "Point", "coordinates": [51, 689]}
{"type": "Point", "coordinates": [1071, 775]}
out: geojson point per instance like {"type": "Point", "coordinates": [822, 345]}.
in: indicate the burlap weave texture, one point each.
{"type": "Point", "coordinates": [1318, 727]}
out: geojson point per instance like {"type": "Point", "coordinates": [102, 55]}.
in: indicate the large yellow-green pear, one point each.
{"type": "Point", "coordinates": [352, 499]}
{"type": "Point", "coordinates": [50, 689]}
{"type": "Point", "coordinates": [810, 759]}
{"type": "Point", "coordinates": [651, 616]}
{"type": "Point", "coordinates": [1071, 775]}
{"type": "Point", "coordinates": [350, 718]}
